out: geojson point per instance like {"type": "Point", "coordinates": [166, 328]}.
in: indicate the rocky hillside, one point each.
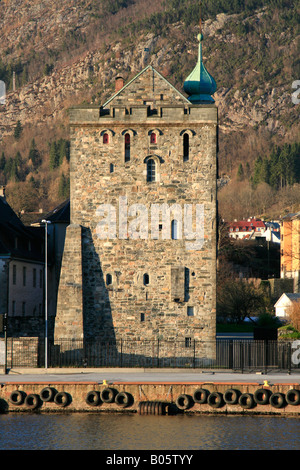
{"type": "Point", "coordinates": [69, 52]}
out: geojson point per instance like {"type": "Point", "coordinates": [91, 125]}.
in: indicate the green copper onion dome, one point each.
{"type": "Point", "coordinates": [200, 85]}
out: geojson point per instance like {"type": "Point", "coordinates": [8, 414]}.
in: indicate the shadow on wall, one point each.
{"type": "Point", "coordinates": [97, 314]}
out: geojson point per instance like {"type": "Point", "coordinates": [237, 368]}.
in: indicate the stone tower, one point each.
{"type": "Point", "coordinates": [140, 253]}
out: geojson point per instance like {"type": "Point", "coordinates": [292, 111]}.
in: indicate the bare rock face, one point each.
{"type": "Point", "coordinates": [33, 27]}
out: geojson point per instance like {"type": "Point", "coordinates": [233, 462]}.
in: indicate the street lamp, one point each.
{"type": "Point", "coordinates": [46, 222]}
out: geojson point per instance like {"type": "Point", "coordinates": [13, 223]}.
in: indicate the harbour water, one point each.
{"type": "Point", "coordinates": [99, 431]}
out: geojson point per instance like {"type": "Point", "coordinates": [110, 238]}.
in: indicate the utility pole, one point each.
{"type": "Point", "coordinates": [46, 222]}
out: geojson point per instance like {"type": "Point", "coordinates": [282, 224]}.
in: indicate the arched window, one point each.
{"type": "Point", "coordinates": [105, 138]}
{"type": "Point", "coordinates": [174, 229]}
{"type": "Point", "coordinates": [127, 147]}
{"type": "Point", "coordinates": [151, 170]}
{"type": "Point", "coordinates": [146, 279]}
{"type": "Point", "coordinates": [108, 279]}
{"type": "Point", "coordinates": [186, 147]}
{"type": "Point", "coordinates": [153, 139]}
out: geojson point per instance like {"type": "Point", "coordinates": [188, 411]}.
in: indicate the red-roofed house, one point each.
{"type": "Point", "coordinates": [253, 228]}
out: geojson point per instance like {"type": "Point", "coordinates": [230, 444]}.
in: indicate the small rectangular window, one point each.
{"type": "Point", "coordinates": [23, 308]}
{"type": "Point", "coordinates": [34, 278]}
{"type": "Point", "coordinates": [13, 307]}
{"type": "Point", "coordinates": [188, 342]}
{"type": "Point", "coordinates": [190, 311]}
{"type": "Point", "coordinates": [142, 317]}
{"type": "Point", "coordinates": [24, 276]}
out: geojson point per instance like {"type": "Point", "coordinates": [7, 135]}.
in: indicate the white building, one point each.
{"type": "Point", "coordinates": [285, 303]}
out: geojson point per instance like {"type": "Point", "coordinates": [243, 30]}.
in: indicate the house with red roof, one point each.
{"type": "Point", "coordinates": [252, 228]}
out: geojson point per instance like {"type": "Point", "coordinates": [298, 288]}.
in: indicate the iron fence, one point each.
{"type": "Point", "coordinates": [228, 354]}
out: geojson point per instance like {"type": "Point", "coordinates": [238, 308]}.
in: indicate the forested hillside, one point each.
{"type": "Point", "coordinates": [68, 52]}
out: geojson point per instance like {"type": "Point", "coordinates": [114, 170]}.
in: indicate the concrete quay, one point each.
{"type": "Point", "coordinates": [149, 391]}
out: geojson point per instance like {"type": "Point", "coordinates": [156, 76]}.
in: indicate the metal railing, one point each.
{"type": "Point", "coordinates": [231, 354]}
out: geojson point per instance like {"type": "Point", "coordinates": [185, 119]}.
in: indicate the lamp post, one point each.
{"type": "Point", "coordinates": [46, 222]}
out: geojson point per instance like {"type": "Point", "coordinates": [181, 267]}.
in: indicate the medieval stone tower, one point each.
{"type": "Point", "coordinates": [140, 253]}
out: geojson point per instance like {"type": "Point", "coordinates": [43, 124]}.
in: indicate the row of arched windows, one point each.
{"type": "Point", "coordinates": [153, 140]}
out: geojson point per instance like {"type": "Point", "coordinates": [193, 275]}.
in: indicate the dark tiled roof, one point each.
{"type": "Point", "coordinates": [7, 214]}
{"type": "Point", "coordinates": [60, 214]}
{"type": "Point", "coordinates": [17, 240]}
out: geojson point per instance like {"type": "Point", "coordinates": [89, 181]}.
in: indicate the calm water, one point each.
{"type": "Point", "coordinates": [134, 432]}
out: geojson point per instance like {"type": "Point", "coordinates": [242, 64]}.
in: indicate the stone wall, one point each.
{"type": "Point", "coordinates": [117, 301]}
{"type": "Point", "coordinates": [74, 397]}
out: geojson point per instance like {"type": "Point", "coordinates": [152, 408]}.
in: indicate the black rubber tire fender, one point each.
{"type": "Point", "coordinates": [93, 398]}
{"type": "Point", "coordinates": [293, 397]}
{"type": "Point", "coordinates": [47, 394]}
{"type": "Point", "coordinates": [262, 396]}
{"type": "Point", "coordinates": [183, 402]}
{"type": "Point", "coordinates": [17, 397]}
{"type": "Point", "coordinates": [62, 399]}
{"type": "Point", "coordinates": [277, 400]}
{"type": "Point", "coordinates": [215, 399]}
{"type": "Point", "coordinates": [108, 395]}
{"type": "Point", "coordinates": [32, 401]}
{"type": "Point", "coordinates": [200, 396]}
{"type": "Point", "coordinates": [231, 396]}
{"type": "Point", "coordinates": [123, 399]}
{"type": "Point", "coordinates": [246, 400]}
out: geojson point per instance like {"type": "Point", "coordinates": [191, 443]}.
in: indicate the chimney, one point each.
{"type": "Point", "coordinates": [119, 83]}
{"type": "Point", "coordinates": [2, 192]}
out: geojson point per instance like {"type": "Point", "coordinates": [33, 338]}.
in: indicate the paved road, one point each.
{"type": "Point", "coordinates": [143, 375]}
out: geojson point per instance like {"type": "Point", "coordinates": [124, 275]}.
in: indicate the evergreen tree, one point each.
{"type": "Point", "coordinates": [247, 171]}
{"type": "Point", "coordinates": [63, 150]}
{"type": "Point", "coordinates": [2, 162]}
{"type": "Point", "coordinates": [18, 130]}
{"type": "Point", "coordinates": [34, 154]}
{"type": "Point", "coordinates": [257, 171]}
{"type": "Point", "coordinates": [14, 174]}
{"type": "Point", "coordinates": [265, 171]}
{"type": "Point", "coordinates": [64, 187]}
{"type": "Point", "coordinates": [240, 172]}
{"type": "Point", "coordinates": [7, 168]}
{"type": "Point", "coordinates": [53, 156]}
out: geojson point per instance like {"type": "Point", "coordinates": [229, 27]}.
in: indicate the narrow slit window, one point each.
{"type": "Point", "coordinates": [146, 279]}
{"type": "Point", "coordinates": [174, 230]}
{"type": "Point", "coordinates": [186, 147]}
{"type": "Point", "coordinates": [153, 139]}
{"type": "Point", "coordinates": [127, 147]}
{"type": "Point", "coordinates": [108, 279]}
{"type": "Point", "coordinates": [151, 170]}
{"type": "Point", "coordinates": [142, 317]}
{"type": "Point", "coordinates": [111, 168]}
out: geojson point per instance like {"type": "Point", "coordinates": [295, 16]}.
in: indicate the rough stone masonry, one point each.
{"type": "Point", "coordinates": [147, 146]}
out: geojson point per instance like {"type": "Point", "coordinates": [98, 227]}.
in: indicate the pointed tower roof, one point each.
{"type": "Point", "coordinates": [200, 85]}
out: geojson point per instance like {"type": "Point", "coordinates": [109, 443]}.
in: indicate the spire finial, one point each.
{"type": "Point", "coordinates": [200, 21]}
{"type": "Point", "coordinates": [200, 85]}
